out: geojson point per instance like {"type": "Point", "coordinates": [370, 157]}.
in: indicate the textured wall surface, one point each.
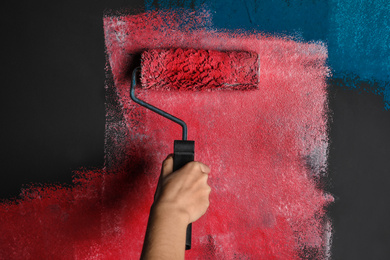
{"type": "Point", "coordinates": [267, 147]}
{"type": "Point", "coordinates": [270, 193]}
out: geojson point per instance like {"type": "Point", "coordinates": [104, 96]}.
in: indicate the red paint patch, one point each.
{"type": "Point", "coordinates": [263, 146]}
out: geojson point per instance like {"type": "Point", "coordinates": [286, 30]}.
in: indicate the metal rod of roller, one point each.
{"type": "Point", "coordinates": [153, 108]}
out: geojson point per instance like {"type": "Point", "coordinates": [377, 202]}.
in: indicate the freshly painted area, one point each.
{"type": "Point", "coordinates": [267, 149]}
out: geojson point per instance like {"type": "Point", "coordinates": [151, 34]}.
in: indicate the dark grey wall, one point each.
{"type": "Point", "coordinates": [359, 175]}
{"type": "Point", "coordinates": [52, 94]}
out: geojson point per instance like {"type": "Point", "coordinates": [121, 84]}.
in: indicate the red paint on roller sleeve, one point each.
{"type": "Point", "coordinates": [266, 148]}
{"type": "Point", "coordinates": [190, 69]}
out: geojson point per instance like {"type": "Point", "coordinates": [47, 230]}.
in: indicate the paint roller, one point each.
{"type": "Point", "coordinates": [193, 70]}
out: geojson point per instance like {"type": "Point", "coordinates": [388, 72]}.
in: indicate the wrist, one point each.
{"type": "Point", "coordinates": [170, 212]}
{"type": "Point", "coordinates": [166, 233]}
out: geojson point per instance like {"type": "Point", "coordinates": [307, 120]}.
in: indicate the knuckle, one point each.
{"type": "Point", "coordinates": [207, 203]}
{"type": "Point", "coordinates": [193, 164]}
{"type": "Point", "coordinates": [206, 191]}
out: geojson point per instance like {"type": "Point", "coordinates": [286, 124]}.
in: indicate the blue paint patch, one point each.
{"type": "Point", "coordinates": [359, 43]}
{"type": "Point", "coordinates": [357, 32]}
{"type": "Point", "coordinates": [360, 38]}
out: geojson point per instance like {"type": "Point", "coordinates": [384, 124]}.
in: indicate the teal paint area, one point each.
{"type": "Point", "coordinates": [357, 32]}
{"type": "Point", "coordinates": [359, 44]}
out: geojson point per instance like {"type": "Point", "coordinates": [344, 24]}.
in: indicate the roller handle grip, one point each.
{"type": "Point", "coordinates": [183, 153]}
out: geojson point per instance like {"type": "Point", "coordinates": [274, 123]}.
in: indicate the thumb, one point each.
{"type": "Point", "coordinates": [166, 169]}
{"type": "Point", "coordinates": [167, 166]}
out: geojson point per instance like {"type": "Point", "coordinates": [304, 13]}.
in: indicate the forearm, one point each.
{"type": "Point", "coordinates": [165, 234]}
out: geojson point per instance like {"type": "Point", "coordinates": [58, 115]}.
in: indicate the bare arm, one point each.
{"type": "Point", "coordinates": [182, 197]}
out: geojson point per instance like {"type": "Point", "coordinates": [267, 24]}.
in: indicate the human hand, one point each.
{"type": "Point", "coordinates": [182, 197]}
{"type": "Point", "coordinates": [184, 191]}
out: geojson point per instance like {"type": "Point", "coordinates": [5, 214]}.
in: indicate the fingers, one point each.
{"type": "Point", "coordinates": [197, 167]}
{"type": "Point", "coordinates": [167, 166]}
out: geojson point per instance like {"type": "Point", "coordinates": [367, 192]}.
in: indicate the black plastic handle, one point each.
{"type": "Point", "coordinates": [183, 153]}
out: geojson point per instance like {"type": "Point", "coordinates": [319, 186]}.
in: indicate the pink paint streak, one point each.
{"type": "Point", "coordinates": [264, 148]}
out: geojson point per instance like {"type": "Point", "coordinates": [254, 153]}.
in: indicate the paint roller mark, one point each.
{"type": "Point", "coordinates": [264, 204]}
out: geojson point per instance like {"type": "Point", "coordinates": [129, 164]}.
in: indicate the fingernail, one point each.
{"type": "Point", "coordinates": [204, 168]}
